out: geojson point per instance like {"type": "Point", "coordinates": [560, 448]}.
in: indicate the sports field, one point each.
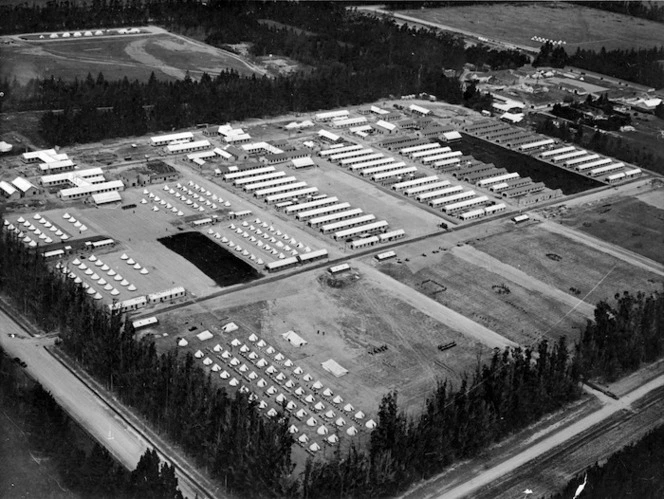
{"type": "Point", "coordinates": [169, 56]}
{"type": "Point", "coordinates": [580, 27]}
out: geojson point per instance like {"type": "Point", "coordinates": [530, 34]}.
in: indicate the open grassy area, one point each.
{"type": "Point", "coordinates": [518, 22]}
{"type": "Point", "coordinates": [489, 299]}
{"type": "Point", "coordinates": [626, 222]}
{"type": "Point", "coordinates": [567, 264]}
{"type": "Point", "coordinates": [135, 57]}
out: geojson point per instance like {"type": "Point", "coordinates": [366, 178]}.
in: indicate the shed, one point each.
{"type": "Point", "coordinates": [294, 338]}
{"type": "Point", "coordinates": [107, 197]}
{"type": "Point", "coordinates": [333, 367]}
{"type": "Point", "coordinates": [204, 336]}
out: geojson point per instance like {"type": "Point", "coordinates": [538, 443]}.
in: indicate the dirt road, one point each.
{"type": "Point", "coordinates": [485, 261]}
{"type": "Point", "coordinates": [434, 309]}
{"type": "Point", "coordinates": [610, 408]}
{"type": "Point", "coordinates": [124, 442]}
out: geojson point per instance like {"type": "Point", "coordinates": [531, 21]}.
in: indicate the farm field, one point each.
{"type": "Point", "coordinates": [488, 298]}
{"type": "Point", "coordinates": [627, 222]}
{"type": "Point", "coordinates": [580, 27]}
{"type": "Point", "coordinates": [568, 265]}
{"type": "Point", "coordinates": [136, 57]}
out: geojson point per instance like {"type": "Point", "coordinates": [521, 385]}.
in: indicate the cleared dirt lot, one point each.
{"type": "Point", "coordinates": [634, 224]}
{"type": "Point", "coordinates": [566, 264]}
{"type": "Point", "coordinates": [355, 318]}
{"type": "Point", "coordinates": [490, 299]}
{"type": "Point", "coordinates": [517, 23]}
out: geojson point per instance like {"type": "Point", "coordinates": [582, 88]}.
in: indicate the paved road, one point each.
{"type": "Point", "coordinates": [485, 478]}
{"type": "Point", "coordinates": [123, 441]}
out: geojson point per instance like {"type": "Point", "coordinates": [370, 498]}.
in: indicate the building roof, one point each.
{"type": "Point", "coordinates": [333, 367]}
{"type": "Point", "coordinates": [7, 188]}
{"type": "Point", "coordinates": [92, 188]}
{"type": "Point", "coordinates": [23, 184]}
{"type": "Point", "coordinates": [386, 125]}
{"type": "Point", "coordinates": [107, 197]}
{"type": "Point", "coordinates": [294, 338]}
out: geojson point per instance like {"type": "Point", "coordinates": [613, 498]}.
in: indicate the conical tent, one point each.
{"type": "Point", "coordinates": [322, 430]}
{"type": "Point", "coordinates": [224, 375]}
{"type": "Point", "coordinates": [312, 422]}
{"type": "Point", "coordinates": [352, 431]}
{"type": "Point", "coordinates": [115, 292]}
{"type": "Point", "coordinates": [314, 447]}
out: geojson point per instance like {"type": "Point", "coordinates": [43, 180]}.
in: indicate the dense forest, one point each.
{"type": "Point", "coordinates": [635, 471]}
{"type": "Point", "coordinates": [608, 145]}
{"type": "Point", "coordinates": [89, 471]}
{"type": "Point", "coordinates": [641, 66]}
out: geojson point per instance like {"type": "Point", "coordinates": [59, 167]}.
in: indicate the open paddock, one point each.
{"type": "Point", "coordinates": [566, 264]}
{"type": "Point", "coordinates": [485, 297]}
{"type": "Point", "coordinates": [517, 23]}
{"type": "Point", "coordinates": [628, 222]}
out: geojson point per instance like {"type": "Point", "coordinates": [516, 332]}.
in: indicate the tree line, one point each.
{"type": "Point", "coordinates": [641, 66]}
{"type": "Point", "coordinates": [623, 337]}
{"type": "Point", "coordinates": [88, 472]}
{"type": "Point", "coordinates": [515, 389]}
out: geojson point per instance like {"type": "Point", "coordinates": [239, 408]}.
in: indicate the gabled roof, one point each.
{"type": "Point", "coordinates": [23, 184]}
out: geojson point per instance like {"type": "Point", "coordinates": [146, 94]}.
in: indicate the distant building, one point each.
{"type": "Point", "coordinates": [154, 172]}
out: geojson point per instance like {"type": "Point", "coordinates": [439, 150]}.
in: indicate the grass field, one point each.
{"type": "Point", "coordinates": [626, 222]}
{"type": "Point", "coordinates": [568, 265]}
{"type": "Point", "coordinates": [518, 22]}
{"type": "Point", "coordinates": [489, 299]}
{"type": "Point", "coordinates": [135, 57]}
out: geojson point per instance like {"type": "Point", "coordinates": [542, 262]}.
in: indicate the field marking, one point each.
{"type": "Point", "coordinates": [484, 260]}
{"type": "Point", "coordinates": [608, 248]}
{"type": "Point", "coordinates": [432, 308]}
